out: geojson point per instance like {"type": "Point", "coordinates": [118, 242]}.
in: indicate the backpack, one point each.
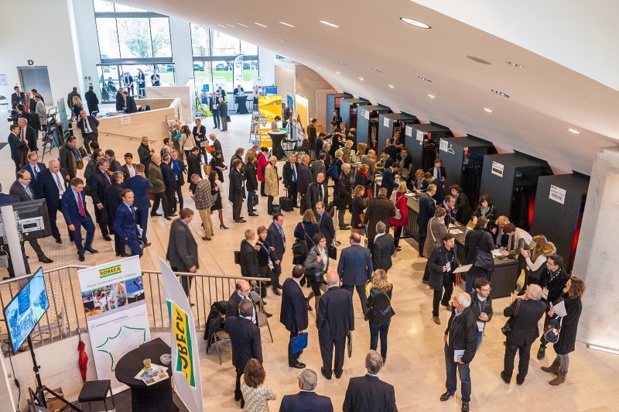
{"type": "Point", "coordinates": [333, 172]}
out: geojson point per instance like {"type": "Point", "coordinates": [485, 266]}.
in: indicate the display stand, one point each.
{"type": "Point", "coordinates": [367, 123]}
{"type": "Point", "coordinates": [423, 145]}
{"type": "Point", "coordinates": [349, 109]}
{"type": "Point", "coordinates": [254, 130]}
{"type": "Point", "coordinates": [333, 103]}
{"type": "Point", "coordinates": [388, 123]}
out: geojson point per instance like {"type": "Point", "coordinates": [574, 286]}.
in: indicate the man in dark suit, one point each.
{"type": "Point", "coordinates": [145, 153]}
{"type": "Point", "coordinates": [311, 133]}
{"type": "Point", "coordinates": [355, 268]}
{"type": "Point", "coordinates": [114, 164]}
{"type": "Point", "coordinates": [76, 215]}
{"type": "Point", "coordinates": [380, 209]}
{"type": "Point", "coordinates": [442, 262]}
{"type": "Point", "coordinates": [97, 182]}
{"type": "Point", "coordinates": [461, 334]}
{"type": "Point", "coordinates": [383, 248]}
{"type": "Point", "coordinates": [34, 168]}
{"type": "Point", "coordinates": [126, 223]}
{"type": "Point", "coordinates": [89, 127]}
{"type": "Point", "coordinates": [335, 319]}
{"type": "Point", "coordinates": [307, 400]}
{"type": "Point", "coordinates": [319, 166]}
{"type": "Point", "coordinates": [182, 248]}
{"type": "Point", "coordinates": [17, 146]}
{"type": "Point", "coordinates": [213, 105]}
{"type": "Point", "coordinates": [290, 176]}
{"type": "Point", "coordinates": [368, 393]}
{"type": "Point", "coordinates": [438, 171]}
{"type": "Point", "coordinates": [236, 192]}
{"type": "Point", "coordinates": [27, 133]}
{"type": "Point", "coordinates": [51, 185]}
{"type": "Point", "coordinates": [317, 192]}
{"type": "Point", "coordinates": [389, 181]}
{"type": "Point", "coordinates": [245, 341]}
{"type": "Point", "coordinates": [120, 100]}
{"type": "Point", "coordinates": [128, 168]}
{"type": "Point", "coordinates": [158, 190]}
{"type": "Point", "coordinates": [92, 101]}
{"type": "Point", "coordinates": [17, 97]}
{"type": "Point", "coordinates": [68, 158]}
{"type": "Point", "coordinates": [552, 279]}
{"type": "Point", "coordinates": [169, 181]}
{"type": "Point", "coordinates": [427, 206]}
{"type": "Point", "coordinates": [277, 239]}
{"type": "Point", "coordinates": [325, 222]}
{"type": "Point", "coordinates": [30, 104]}
{"type": "Point", "coordinates": [242, 291]}
{"type": "Point", "coordinates": [140, 186]}
{"type": "Point", "coordinates": [199, 135]}
{"type": "Point", "coordinates": [524, 314]}
{"type": "Point", "coordinates": [130, 106]}
{"type": "Point", "coordinates": [216, 145]}
{"type": "Point", "coordinates": [21, 189]}
{"type": "Point", "coordinates": [303, 181]}
{"type": "Point", "coordinates": [293, 313]}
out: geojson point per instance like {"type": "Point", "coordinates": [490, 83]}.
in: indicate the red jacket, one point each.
{"type": "Point", "coordinates": [401, 203]}
{"type": "Point", "coordinates": [262, 163]}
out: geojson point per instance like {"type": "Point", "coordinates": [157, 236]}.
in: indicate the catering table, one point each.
{"type": "Point", "coordinates": [277, 136]}
{"type": "Point", "coordinates": [505, 272]}
{"type": "Point", "coordinates": [144, 398]}
{"type": "Point", "coordinates": [241, 104]}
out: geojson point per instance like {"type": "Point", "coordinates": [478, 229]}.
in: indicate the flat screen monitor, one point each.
{"type": "Point", "coordinates": [32, 219]}
{"type": "Point", "coordinates": [26, 310]}
{"type": "Point", "coordinates": [270, 89]}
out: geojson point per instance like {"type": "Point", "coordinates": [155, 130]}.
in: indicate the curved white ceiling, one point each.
{"type": "Point", "coordinates": [546, 98]}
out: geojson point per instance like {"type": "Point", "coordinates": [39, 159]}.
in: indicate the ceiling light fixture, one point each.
{"type": "Point", "coordinates": [230, 25]}
{"type": "Point", "coordinates": [326, 23]}
{"type": "Point", "coordinates": [478, 60]}
{"type": "Point", "coordinates": [415, 23]}
{"type": "Point", "coordinates": [259, 24]}
{"type": "Point", "coordinates": [425, 79]}
{"type": "Point", "coordinates": [222, 26]}
{"type": "Point", "coordinates": [337, 73]}
{"type": "Point", "coordinates": [244, 25]}
{"type": "Point", "coordinates": [342, 63]}
{"type": "Point", "coordinates": [361, 78]}
{"type": "Point", "coordinates": [500, 93]}
{"type": "Point", "coordinates": [573, 130]}
{"type": "Point", "coordinates": [488, 110]}
{"type": "Point", "coordinates": [391, 85]}
{"type": "Point", "coordinates": [376, 70]}
{"type": "Point", "coordinates": [431, 96]}
{"type": "Point", "coordinates": [518, 65]}
{"type": "Point", "coordinates": [286, 24]}
{"type": "Point", "coordinates": [283, 40]}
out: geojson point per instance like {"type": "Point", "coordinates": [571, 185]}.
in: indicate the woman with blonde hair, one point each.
{"type": "Point", "coordinates": [77, 106]}
{"type": "Point", "coordinates": [536, 259]}
{"type": "Point", "coordinates": [346, 151]}
{"type": "Point", "coordinates": [401, 204]}
{"type": "Point", "coordinates": [256, 394]}
{"type": "Point", "coordinates": [380, 311]}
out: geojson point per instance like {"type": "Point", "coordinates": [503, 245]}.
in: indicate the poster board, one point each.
{"type": "Point", "coordinates": [301, 118]}
{"type": "Point", "coordinates": [269, 107]}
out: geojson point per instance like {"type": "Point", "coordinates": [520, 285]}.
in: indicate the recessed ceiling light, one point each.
{"type": "Point", "coordinates": [244, 25]}
{"type": "Point", "coordinates": [222, 26]}
{"type": "Point", "coordinates": [337, 72]}
{"type": "Point", "coordinates": [229, 25]}
{"type": "Point", "coordinates": [335, 26]}
{"type": "Point", "coordinates": [391, 85]}
{"type": "Point", "coordinates": [259, 24]}
{"type": "Point", "coordinates": [518, 65]}
{"type": "Point", "coordinates": [573, 130]}
{"type": "Point", "coordinates": [361, 78]}
{"type": "Point", "coordinates": [488, 110]}
{"type": "Point", "coordinates": [479, 60]}
{"type": "Point", "coordinates": [376, 70]}
{"type": "Point", "coordinates": [415, 23]}
{"type": "Point", "coordinates": [431, 96]}
{"type": "Point", "coordinates": [283, 40]}
{"type": "Point", "coordinates": [425, 79]}
{"type": "Point", "coordinates": [286, 24]}
{"type": "Point", "coordinates": [500, 93]}
{"type": "Point", "coordinates": [319, 68]}
{"type": "Point", "coordinates": [342, 63]}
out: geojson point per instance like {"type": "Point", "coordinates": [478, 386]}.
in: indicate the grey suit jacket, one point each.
{"type": "Point", "coordinates": [182, 247]}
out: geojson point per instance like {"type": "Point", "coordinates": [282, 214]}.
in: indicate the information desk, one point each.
{"type": "Point", "coordinates": [505, 272]}
{"type": "Point", "coordinates": [277, 137]}
{"type": "Point", "coordinates": [144, 398]}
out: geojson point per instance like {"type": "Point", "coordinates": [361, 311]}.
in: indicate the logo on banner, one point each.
{"type": "Point", "coordinates": [182, 338]}
{"type": "Point", "coordinates": [112, 270]}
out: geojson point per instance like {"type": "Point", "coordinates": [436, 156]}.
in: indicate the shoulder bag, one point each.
{"type": "Point", "coordinates": [507, 328]}
{"type": "Point", "coordinates": [483, 260]}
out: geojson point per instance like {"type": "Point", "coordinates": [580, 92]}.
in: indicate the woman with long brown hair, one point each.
{"type": "Point", "coordinates": [536, 259]}
{"type": "Point", "coordinates": [256, 394]}
{"type": "Point", "coordinates": [380, 311]}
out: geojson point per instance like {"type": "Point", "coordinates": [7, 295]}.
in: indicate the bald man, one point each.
{"type": "Point", "coordinates": [50, 186]}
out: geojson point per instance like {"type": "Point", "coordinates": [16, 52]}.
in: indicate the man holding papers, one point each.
{"type": "Point", "coordinates": [294, 312]}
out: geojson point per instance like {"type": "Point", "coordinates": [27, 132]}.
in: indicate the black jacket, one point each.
{"type": "Point", "coordinates": [369, 394]}
{"type": "Point", "coordinates": [463, 209]}
{"type": "Point", "coordinates": [67, 160]}
{"type": "Point", "coordinates": [462, 331]}
{"type": "Point", "coordinates": [275, 240]}
{"type": "Point", "coordinates": [245, 340]}
{"type": "Point", "coordinates": [477, 306]}
{"type": "Point", "coordinates": [287, 174]}
{"type": "Point", "coordinates": [120, 102]}
{"type": "Point", "coordinates": [251, 183]}
{"type": "Point", "coordinates": [343, 192]}
{"type": "Point", "coordinates": [555, 287]}
{"type": "Point", "coordinates": [382, 250]}
{"type": "Point", "coordinates": [249, 259]}
{"type": "Point", "coordinates": [379, 306]}
{"type": "Point", "coordinates": [524, 325]}
{"type": "Point", "coordinates": [439, 258]}
{"type": "Point", "coordinates": [97, 183]}
{"type": "Point", "coordinates": [293, 314]}
{"type": "Point", "coordinates": [236, 192]}
{"type": "Point", "coordinates": [131, 107]}
{"type": "Point", "coordinates": [474, 239]}
{"type": "Point", "coordinates": [314, 193]}
{"type": "Point", "coordinates": [145, 156]}
{"type": "Point", "coordinates": [182, 248]}
{"type": "Point", "coordinates": [335, 316]}
{"type": "Point", "coordinates": [92, 101]}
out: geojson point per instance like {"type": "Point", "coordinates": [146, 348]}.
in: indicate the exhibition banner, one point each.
{"type": "Point", "coordinates": [113, 298]}
{"type": "Point", "coordinates": [184, 342]}
{"type": "Point", "coordinates": [269, 107]}
{"type": "Point", "coordinates": [302, 117]}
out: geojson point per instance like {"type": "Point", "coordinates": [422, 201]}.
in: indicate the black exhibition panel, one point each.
{"type": "Point", "coordinates": [559, 206]}
{"type": "Point", "coordinates": [333, 103]}
{"type": "Point", "coordinates": [423, 143]}
{"type": "Point", "coordinates": [348, 110]}
{"type": "Point", "coordinates": [510, 179]}
{"type": "Point", "coordinates": [463, 159]}
{"type": "Point", "coordinates": [388, 123]}
{"type": "Point", "coordinates": [367, 123]}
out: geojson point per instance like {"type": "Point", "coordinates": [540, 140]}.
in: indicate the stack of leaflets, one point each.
{"type": "Point", "coordinates": [152, 375]}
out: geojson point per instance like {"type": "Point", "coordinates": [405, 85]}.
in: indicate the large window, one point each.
{"type": "Point", "coordinates": [213, 59]}
{"type": "Point", "coordinates": [131, 39]}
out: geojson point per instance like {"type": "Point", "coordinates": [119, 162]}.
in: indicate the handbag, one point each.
{"type": "Point", "coordinates": [507, 328]}
{"type": "Point", "coordinates": [299, 249]}
{"type": "Point", "coordinates": [207, 170]}
{"type": "Point", "coordinates": [332, 250]}
{"type": "Point", "coordinates": [552, 332]}
{"type": "Point", "coordinates": [228, 119]}
{"type": "Point", "coordinates": [237, 257]}
{"type": "Point", "coordinates": [483, 260]}
{"type": "Point", "coordinates": [255, 198]}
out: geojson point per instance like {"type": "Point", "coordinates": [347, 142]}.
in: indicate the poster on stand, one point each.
{"type": "Point", "coordinates": [115, 309]}
{"type": "Point", "coordinates": [269, 107]}
{"type": "Point", "coordinates": [301, 116]}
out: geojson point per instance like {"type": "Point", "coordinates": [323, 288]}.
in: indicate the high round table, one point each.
{"type": "Point", "coordinates": [277, 137]}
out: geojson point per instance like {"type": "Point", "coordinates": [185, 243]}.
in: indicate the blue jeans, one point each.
{"type": "Point", "coordinates": [480, 335]}
{"type": "Point", "coordinates": [383, 329]}
{"type": "Point", "coordinates": [452, 382]}
{"type": "Point", "coordinates": [250, 203]}
{"type": "Point", "coordinates": [470, 278]}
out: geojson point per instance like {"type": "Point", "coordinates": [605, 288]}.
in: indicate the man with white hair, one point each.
{"type": "Point", "coordinates": [368, 393]}
{"type": "Point", "coordinates": [524, 314]}
{"type": "Point", "coordinates": [307, 400]}
{"type": "Point", "coordinates": [460, 346]}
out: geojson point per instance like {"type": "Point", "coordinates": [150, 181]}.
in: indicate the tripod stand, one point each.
{"type": "Point", "coordinates": [39, 394]}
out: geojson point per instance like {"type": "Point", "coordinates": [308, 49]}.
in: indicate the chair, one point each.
{"type": "Point", "coordinates": [219, 336]}
{"type": "Point", "coordinates": [216, 334]}
{"type": "Point", "coordinates": [263, 320]}
{"type": "Point", "coordinates": [96, 391]}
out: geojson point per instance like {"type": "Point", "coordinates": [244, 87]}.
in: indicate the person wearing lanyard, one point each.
{"type": "Point", "coordinates": [481, 306]}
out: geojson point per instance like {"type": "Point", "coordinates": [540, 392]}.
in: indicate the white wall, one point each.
{"type": "Point", "coordinates": [38, 30]}
{"type": "Point", "coordinates": [266, 66]}
{"type": "Point", "coordinates": [180, 34]}
{"type": "Point", "coordinates": [88, 45]}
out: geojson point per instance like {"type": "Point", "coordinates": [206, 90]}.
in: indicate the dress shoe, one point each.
{"type": "Point", "coordinates": [448, 307]}
{"type": "Point", "coordinates": [322, 371]}
{"type": "Point", "coordinates": [299, 365]}
{"type": "Point", "coordinates": [398, 249]}
{"type": "Point", "coordinates": [125, 254]}
{"type": "Point", "coordinates": [81, 258]}
{"type": "Point", "coordinates": [108, 238]}
{"type": "Point", "coordinates": [436, 320]}
{"type": "Point", "coordinates": [91, 250]}
{"type": "Point", "coordinates": [507, 379]}
{"type": "Point", "coordinates": [276, 291]}
{"type": "Point", "coordinates": [168, 218]}
{"type": "Point", "coordinates": [337, 375]}
{"type": "Point", "coordinates": [223, 227]}
{"type": "Point", "coordinates": [58, 240]}
{"type": "Point", "coordinates": [147, 244]}
{"type": "Point", "coordinates": [45, 259]}
{"type": "Point", "coordinates": [254, 214]}
{"type": "Point", "coordinates": [519, 380]}
{"type": "Point", "coordinates": [446, 396]}
{"type": "Point", "coordinates": [541, 352]}
{"type": "Point", "coordinates": [155, 214]}
{"type": "Point", "coordinates": [344, 227]}
{"type": "Point", "coordinates": [267, 314]}
{"type": "Point", "coordinates": [206, 238]}
{"type": "Point", "coordinates": [465, 407]}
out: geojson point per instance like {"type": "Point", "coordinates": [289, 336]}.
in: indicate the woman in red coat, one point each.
{"type": "Point", "coordinates": [262, 164]}
{"type": "Point", "coordinates": [401, 204]}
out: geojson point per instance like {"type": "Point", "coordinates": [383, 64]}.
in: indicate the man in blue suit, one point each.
{"type": "Point", "coordinates": [140, 185]}
{"type": "Point", "coordinates": [34, 168]}
{"type": "Point", "coordinates": [126, 225]}
{"type": "Point", "coordinates": [325, 222]}
{"type": "Point", "coordinates": [75, 214]}
{"type": "Point", "coordinates": [427, 206]}
{"type": "Point", "coordinates": [307, 400]}
{"type": "Point", "coordinates": [335, 319]}
{"type": "Point", "coordinates": [389, 181]}
{"type": "Point", "coordinates": [294, 312]}
{"type": "Point", "coordinates": [355, 268]}
{"type": "Point", "coordinates": [17, 146]}
{"type": "Point", "coordinates": [51, 186]}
